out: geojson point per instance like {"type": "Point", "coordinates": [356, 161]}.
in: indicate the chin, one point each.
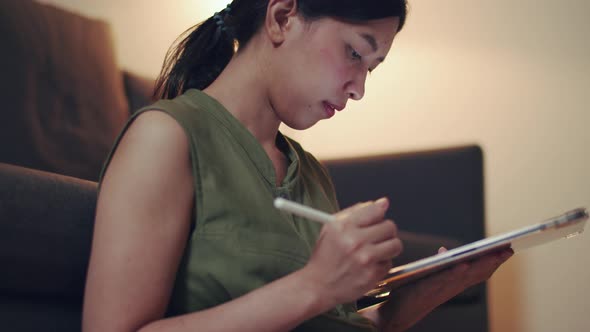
{"type": "Point", "coordinates": [299, 125]}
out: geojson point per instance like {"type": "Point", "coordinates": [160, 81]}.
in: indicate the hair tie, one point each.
{"type": "Point", "coordinates": [220, 22]}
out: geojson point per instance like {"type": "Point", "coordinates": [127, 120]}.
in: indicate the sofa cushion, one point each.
{"type": "Point", "coordinates": [63, 101]}
{"type": "Point", "coordinates": [46, 223]}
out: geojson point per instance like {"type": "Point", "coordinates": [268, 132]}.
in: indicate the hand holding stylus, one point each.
{"type": "Point", "coordinates": [354, 250]}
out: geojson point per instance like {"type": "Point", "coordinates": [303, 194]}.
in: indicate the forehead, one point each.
{"type": "Point", "coordinates": [380, 32]}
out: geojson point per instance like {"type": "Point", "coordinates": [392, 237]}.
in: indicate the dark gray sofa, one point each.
{"type": "Point", "coordinates": [45, 232]}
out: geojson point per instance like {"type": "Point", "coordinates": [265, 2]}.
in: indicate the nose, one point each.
{"type": "Point", "coordinates": [355, 88]}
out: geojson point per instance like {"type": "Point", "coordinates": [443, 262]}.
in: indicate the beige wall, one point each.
{"type": "Point", "coordinates": [512, 76]}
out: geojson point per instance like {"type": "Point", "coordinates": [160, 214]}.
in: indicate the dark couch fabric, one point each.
{"type": "Point", "coordinates": [45, 235]}
{"type": "Point", "coordinates": [46, 227]}
{"type": "Point", "coordinates": [63, 99]}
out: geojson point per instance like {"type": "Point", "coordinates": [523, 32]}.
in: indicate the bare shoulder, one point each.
{"type": "Point", "coordinates": [151, 163]}
{"type": "Point", "coordinates": [154, 142]}
{"type": "Point", "coordinates": [156, 129]}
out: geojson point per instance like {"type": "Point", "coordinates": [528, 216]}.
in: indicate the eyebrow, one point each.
{"type": "Point", "coordinates": [371, 40]}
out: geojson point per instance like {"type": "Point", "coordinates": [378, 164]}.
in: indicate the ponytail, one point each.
{"type": "Point", "coordinates": [198, 59]}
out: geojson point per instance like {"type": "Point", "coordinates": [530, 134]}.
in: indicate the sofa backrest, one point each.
{"type": "Point", "coordinates": [439, 191]}
{"type": "Point", "coordinates": [63, 99]}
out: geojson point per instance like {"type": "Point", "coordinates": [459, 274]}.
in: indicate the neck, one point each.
{"type": "Point", "coordinates": [241, 89]}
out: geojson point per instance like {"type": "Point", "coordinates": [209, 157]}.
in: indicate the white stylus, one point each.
{"type": "Point", "coordinates": [303, 211]}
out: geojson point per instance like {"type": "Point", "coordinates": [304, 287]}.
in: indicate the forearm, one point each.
{"type": "Point", "coordinates": [278, 306]}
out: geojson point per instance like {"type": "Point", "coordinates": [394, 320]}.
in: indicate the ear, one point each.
{"type": "Point", "coordinates": [280, 17]}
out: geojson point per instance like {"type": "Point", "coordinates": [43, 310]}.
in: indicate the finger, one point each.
{"type": "Point", "coordinates": [484, 267]}
{"type": "Point", "coordinates": [441, 285]}
{"type": "Point", "coordinates": [379, 232]}
{"type": "Point", "coordinates": [383, 268]}
{"type": "Point", "coordinates": [492, 260]}
{"type": "Point", "coordinates": [384, 251]}
{"type": "Point", "coordinates": [365, 214]}
{"type": "Point", "coordinates": [375, 272]}
{"type": "Point", "coordinates": [507, 254]}
{"type": "Point", "coordinates": [467, 274]}
{"type": "Point", "coordinates": [442, 250]}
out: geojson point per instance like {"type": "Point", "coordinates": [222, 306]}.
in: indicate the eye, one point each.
{"type": "Point", "coordinates": [354, 55]}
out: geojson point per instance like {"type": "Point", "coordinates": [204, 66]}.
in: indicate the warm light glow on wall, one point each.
{"type": "Point", "coordinates": [211, 6]}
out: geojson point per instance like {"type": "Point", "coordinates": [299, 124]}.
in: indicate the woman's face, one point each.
{"type": "Point", "coordinates": [322, 64]}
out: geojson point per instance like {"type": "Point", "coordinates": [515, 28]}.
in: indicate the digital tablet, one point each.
{"type": "Point", "coordinates": [566, 225]}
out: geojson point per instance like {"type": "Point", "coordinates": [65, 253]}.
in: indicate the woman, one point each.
{"type": "Point", "coordinates": [186, 237]}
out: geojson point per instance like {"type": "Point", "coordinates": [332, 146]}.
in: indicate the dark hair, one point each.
{"type": "Point", "coordinates": [198, 59]}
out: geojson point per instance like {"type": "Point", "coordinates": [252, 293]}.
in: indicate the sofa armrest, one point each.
{"type": "Point", "coordinates": [46, 224]}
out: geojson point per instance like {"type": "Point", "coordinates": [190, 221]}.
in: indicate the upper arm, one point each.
{"type": "Point", "coordinates": [142, 223]}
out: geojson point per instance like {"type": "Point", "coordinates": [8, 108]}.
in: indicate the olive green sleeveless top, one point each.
{"type": "Point", "coordinates": [239, 241]}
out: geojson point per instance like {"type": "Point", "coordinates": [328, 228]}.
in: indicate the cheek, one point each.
{"type": "Point", "coordinates": [327, 58]}
{"type": "Point", "coordinates": [333, 65]}
{"type": "Point", "coordinates": [326, 55]}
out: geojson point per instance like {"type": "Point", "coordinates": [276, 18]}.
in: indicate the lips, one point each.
{"type": "Point", "coordinates": [331, 109]}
